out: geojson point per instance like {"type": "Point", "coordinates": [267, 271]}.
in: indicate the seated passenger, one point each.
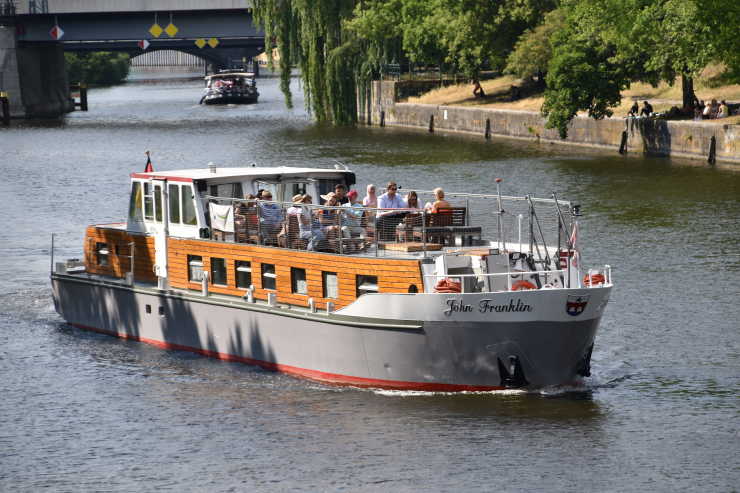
{"type": "Point", "coordinates": [394, 211]}
{"type": "Point", "coordinates": [404, 230]}
{"type": "Point", "coordinates": [440, 202]}
{"type": "Point", "coordinates": [352, 218]}
{"type": "Point", "coordinates": [271, 217]}
{"type": "Point", "coordinates": [330, 220]}
{"type": "Point", "coordinates": [340, 192]}
{"type": "Point", "coordinates": [370, 200]}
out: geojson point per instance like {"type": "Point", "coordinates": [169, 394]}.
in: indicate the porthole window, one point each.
{"type": "Point", "coordinates": [366, 284]}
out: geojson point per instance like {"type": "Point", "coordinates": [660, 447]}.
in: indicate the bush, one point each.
{"type": "Point", "coordinates": [98, 68]}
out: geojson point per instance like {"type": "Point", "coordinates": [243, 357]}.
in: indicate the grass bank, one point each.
{"type": "Point", "coordinates": [499, 95]}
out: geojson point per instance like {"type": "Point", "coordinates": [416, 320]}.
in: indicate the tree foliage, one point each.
{"type": "Point", "coordinates": [100, 68]}
{"type": "Point", "coordinates": [624, 41]}
{"type": "Point", "coordinates": [533, 51]}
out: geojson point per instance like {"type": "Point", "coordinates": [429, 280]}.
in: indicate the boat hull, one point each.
{"type": "Point", "coordinates": [404, 354]}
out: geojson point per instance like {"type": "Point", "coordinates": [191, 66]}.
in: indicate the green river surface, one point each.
{"type": "Point", "coordinates": [86, 412]}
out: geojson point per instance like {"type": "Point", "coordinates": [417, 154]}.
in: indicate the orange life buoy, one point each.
{"type": "Point", "coordinates": [447, 286]}
{"type": "Point", "coordinates": [592, 279]}
{"type": "Point", "coordinates": [519, 285]}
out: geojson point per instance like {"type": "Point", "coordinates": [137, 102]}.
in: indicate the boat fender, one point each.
{"type": "Point", "coordinates": [447, 285]}
{"type": "Point", "coordinates": [521, 285]}
{"type": "Point", "coordinates": [594, 279]}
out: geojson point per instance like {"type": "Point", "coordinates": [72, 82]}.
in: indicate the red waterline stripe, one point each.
{"type": "Point", "coordinates": [319, 376]}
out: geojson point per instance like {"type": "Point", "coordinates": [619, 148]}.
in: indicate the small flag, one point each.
{"type": "Point", "coordinates": [573, 244]}
{"type": "Point", "coordinates": [56, 32]}
{"type": "Point", "coordinates": [149, 168]}
{"type": "Point", "coordinates": [143, 44]}
{"type": "Point", "coordinates": [213, 42]}
{"type": "Point", "coordinates": [200, 42]}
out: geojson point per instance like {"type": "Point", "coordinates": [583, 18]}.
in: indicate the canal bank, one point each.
{"type": "Point", "coordinates": [706, 141]}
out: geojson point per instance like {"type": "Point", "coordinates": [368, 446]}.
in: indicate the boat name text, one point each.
{"type": "Point", "coordinates": [486, 306]}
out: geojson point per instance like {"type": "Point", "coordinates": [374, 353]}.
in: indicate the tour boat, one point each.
{"type": "Point", "coordinates": [230, 88]}
{"type": "Point", "coordinates": [404, 299]}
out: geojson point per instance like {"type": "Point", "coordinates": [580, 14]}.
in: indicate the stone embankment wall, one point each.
{"type": "Point", "coordinates": [689, 139]}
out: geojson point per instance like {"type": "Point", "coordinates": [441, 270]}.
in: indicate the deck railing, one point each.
{"type": "Point", "coordinates": [472, 220]}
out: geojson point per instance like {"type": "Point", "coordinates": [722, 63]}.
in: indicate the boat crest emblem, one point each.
{"type": "Point", "coordinates": [576, 304]}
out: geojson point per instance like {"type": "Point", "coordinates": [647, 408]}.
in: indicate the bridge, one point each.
{"type": "Point", "coordinates": [35, 33]}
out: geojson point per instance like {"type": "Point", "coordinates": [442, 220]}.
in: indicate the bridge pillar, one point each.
{"type": "Point", "coordinates": [34, 76]}
{"type": "Point", "coordinates": [9, 79]}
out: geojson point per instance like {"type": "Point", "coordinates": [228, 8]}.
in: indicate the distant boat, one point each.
{"type": "Point", "coordinates": [230, 88]}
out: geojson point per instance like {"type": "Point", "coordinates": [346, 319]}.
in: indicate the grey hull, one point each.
{"type": "Point", "coordinates": [343, 349]}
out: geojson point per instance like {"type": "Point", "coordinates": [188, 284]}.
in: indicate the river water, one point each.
{"type": "Point", "coordinates": [86, 412]}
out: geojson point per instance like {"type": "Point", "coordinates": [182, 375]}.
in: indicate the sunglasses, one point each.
{"type": "Point", "coordinates": [392, 188]}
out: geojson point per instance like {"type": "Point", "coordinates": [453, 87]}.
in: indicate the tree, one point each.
{"type": "Point", "coordinates": [533, 50]}
{"type": "Point", "coordinates": [617, 42]}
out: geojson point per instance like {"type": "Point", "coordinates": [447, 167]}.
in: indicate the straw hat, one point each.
{"type": "Point", "coordinates": [297, 198]}
{"type": "Point", "coordinates": [329, 196]}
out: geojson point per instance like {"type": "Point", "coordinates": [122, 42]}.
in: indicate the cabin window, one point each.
{"type": "Point", "coordinates": [174, 204]}
{"type": "Point", "coordinates": [268, 276]}
{"type": "Point", "coordinates": [366, 284]}
{"type": "Point", "coordinates": [195, 268]}
{"type": "Point", "coordinates": [331, 285]}
{"type": "Point", "coordinates": [298, 281]}
{"type": "Point", "coordinates": [243, 274]}
{"type": "Point", "coordinates": [292, 189]}
{"type": "Point", "coordinates": [102, 254]}
{"type": "Point", "coordinates": [158, 203]}
{"type": "Point", "coordinates": [218, 271]}
{"type": "Point", "coordinates": [134, 205]}
{"type": "Point", "coordinates": [188, 207]}
{"type": "Point", "coordinates": [148, 202]}
{"type": "Point", "coordinates": [326, 186]}
{"type": "Point", "coordinates": [232, 190]}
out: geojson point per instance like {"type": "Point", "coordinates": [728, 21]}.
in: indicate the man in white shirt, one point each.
{"type": "Point", "coordinates": [389, 219]}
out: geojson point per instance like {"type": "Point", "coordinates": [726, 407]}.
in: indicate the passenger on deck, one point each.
{"type": "Point", "coordinates": [303, 215]}
{"type": "Point", "coordinates": [404, 230]}
{"type": "Point", "coordinates": [370, 200]}
{"type": "Point", "coordinates": [440, 202]}
{"type": "Point", "coordinates": [329, 219]}
{"type": "Point", "coordinates": [352, 218]}
{"type": "Point", "coordinates": [271, 217]}
{"type": "Point", "coordinates": [390, 218]}
{"type": "Point", "coordinates": [340, 192]}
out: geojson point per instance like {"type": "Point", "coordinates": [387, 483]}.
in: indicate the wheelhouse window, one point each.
{"type": "Point", "coordinates": [298, 281]}
{"type": "Point", "coordinates": [366, 284]}
{"type": "Point", "coordinates": [188, 207]}
{"type": "Point", "coordinates": [243, 274]}
{"type": "Point", "coordinates": [268, 276]}
{"type": "Point", "coordinates": [195, 268]}
{"type": "Point", "coordinates": [331, 285]}
{"type": "Point", "coordinates": [174, 204]}
{"type": "Point", "coordinates": [148, 202]}
{"type": "Point", "coordinates": [102, 254]}
{"type": "Point", "coordinates": [158, 203]}
{"type": "Point", "coordinates": [218, 271]}
{"type": "Point", "coordinates": [134, 206]}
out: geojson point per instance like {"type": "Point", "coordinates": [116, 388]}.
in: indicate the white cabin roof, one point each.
{"type": "Point", "coordinates": [243, 172]}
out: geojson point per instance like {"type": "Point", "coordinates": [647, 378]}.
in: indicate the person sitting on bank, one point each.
{"type": "Point", "coordinates": [393, 214]}
{"type": "Point", "coordinates": [478, 91]}
{"type": "Point", "coordinates": [647, 109]}
{"type": "Point", "coordinates": [724, 110]}
{"type": "Point", "coordinates": [634, 110]}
